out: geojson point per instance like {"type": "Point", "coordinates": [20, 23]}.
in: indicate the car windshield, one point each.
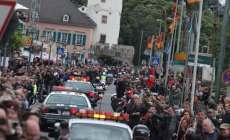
{"type": "Point", "coordinates": [79, 86]}
{"type": "Point", "coordinates": [67, 100]}
{"type": "Point", "coordinates": [85, 131]}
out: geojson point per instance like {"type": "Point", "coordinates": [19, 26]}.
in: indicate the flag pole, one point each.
{"type": "Point", "coordinates": [196, 55]}
{"type": "Point", "coordinates": [170, 47]}
{"type": "Point", "coordinates": [151, 52]}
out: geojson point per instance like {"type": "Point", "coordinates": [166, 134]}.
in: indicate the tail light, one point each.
{"type": "Point", "coordinates": [46, 110]}
{"type": "Point", "coordinates": [87, 79]}
{"type": "Point", "coordinates": [108, 115]}
{"type": "Point", "coordinates": [73, 111]}
{"type": "Point", "coordinates": [126, 116]}
{"type": "Point", "coordinates": [91, 94]}
{"type": "Point", "coordinates": [99, 85]}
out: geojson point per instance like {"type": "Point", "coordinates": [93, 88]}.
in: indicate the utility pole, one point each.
{"type": "Point", "coordinates": [213, 72]}
{"type": "Point", "coordinates": [179, 33]}
{"type": "Point", "coordinates": [151, 52]}
{"type": "Point", "coordinates": [140, 47]}
{"type": "Point", "coordinates": [196, 55]}
{"type": "Point", "coordinates": [222, 50]}
{"type": "Point", "coordinates": [170, 47]}
{"type": "Point", "coordinates": [4, 60]}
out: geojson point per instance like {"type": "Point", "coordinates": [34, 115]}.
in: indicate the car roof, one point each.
{"type": "Point", "coordinates": [102, 122]}
{"type": "Point", "coordinates": [78, 81]}
{"type": "Point", "coordinates": [68, 93]}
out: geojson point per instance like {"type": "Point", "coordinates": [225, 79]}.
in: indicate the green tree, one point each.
{"type": "Point", "coordinates": [80, 2]}
{"type": "Point", "coordinates": [16, 41]}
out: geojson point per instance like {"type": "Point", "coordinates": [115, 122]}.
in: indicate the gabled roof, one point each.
{"type": "Point", "coordinates": [52, 11]}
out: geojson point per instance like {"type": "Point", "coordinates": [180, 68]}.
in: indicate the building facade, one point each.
{"type": "Point", "coordinates": [107, 15]}
{"type": "Point", "coordinates": [65, 24]}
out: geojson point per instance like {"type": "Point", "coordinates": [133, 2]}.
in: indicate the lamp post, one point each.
{"type": "Point", "coordinates": [165, 25]}
{"type": "Point", "coordinates": [32, 36]}
{"type": "Point", "coordinates": [43, 39]}
{"type": "Point", "coordinates": [58, 46]}
{"type": "Point", "coordinates": [84, 50]}
{"type": "Point", "coordinates": [50, 43]}
{"type": "Point", "coordinates": [74, 54]}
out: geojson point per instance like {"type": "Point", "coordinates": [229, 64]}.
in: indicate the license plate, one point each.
{"type": "Point", "coordinates": [65, 113]}
{"type": "Point", "coordinates": [99, 88]}
{"type": "Point", "coordinates": [101, 95]}
{"type": "Point", "coordinates": [50, 121]}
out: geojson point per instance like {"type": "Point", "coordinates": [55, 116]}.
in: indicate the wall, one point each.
{"type": "Point", "coordinates": [112, 9]}
{"type": "Point", "coordinates": [72, 29]}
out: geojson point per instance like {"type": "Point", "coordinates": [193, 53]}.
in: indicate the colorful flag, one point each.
{"type": "Point", "coordinates": [171, 27]}
{"type": "Point", "coordinates": [149, 41]}
{"type": "Point", "coordinates": [159, 40]}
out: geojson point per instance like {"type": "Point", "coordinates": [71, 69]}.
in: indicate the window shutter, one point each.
{"type": "Point", "coordinates": [69, 39]}
{"type": "Point", "coordinates": [54, 36]}
{"type": "Point", "coordinates": [27, 32]}
{"type": "Point", "coordinates": [59, 36]}
{"type": "Point", "coordinates": [44, 32]}
{"type": "Point", "coordinates": [38, 31]}
{"type": "Point", "coordinates": [84, 40]}
{"type": "Point", "coordinates": [74, 39]}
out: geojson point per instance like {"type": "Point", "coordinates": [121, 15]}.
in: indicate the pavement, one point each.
{"type": "Point", "coordinates": [104, 105]}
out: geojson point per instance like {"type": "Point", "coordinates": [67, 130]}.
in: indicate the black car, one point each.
{"type": "Point", "coordinates": [60, 106]}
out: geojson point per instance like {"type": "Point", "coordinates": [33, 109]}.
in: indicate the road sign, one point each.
{"type": "Point", "coordinates": [226, 77]}
{"type": "Point", "coordinates": [155, 61]}
{"type": "Point", "coordinates": [6, 10]}
{"type": "Point", "coordinates": [187, 71]}
{"type": "Point", "coordinates": [60, 51]}
{"type": "Point", "coordinates": [159, 70]}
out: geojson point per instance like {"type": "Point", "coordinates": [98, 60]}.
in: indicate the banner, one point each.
{"type": "Point", "coordinates": [149, 42]}
{"type": "Point", "coordinates": [159, 40]}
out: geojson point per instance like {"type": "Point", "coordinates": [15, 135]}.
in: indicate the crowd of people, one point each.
{"type": "Point", "coordinates": [165, 111]}
{"type": "Point", "coordinates": [148, 102]}
{"type": "Point", "coordinates": [22, 84]}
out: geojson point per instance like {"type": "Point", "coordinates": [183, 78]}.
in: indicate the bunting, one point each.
{"type": "Point", "coordinates": [174, 12]}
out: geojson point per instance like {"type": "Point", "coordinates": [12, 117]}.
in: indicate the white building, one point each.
{"type": "Point", "coordinates": [107, 15]}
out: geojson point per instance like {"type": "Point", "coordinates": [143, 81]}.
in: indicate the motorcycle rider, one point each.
{"type": "Point", "coordinates": [103, 78]}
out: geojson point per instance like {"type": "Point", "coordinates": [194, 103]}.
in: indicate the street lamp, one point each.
{"type": "Point", "coordinates": [32, 36]}
{"type": "Point", "coordinates": [43, 39]}
{"type": "Point", "coordinates": [58, 46]}
{"type": "Point", "coordinates": [50, 43]}
{"type": "Point", "coordinates": [165, 26]}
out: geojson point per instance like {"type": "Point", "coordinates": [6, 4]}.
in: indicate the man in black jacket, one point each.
{"type": "Point", "coordinates": [227, 115]}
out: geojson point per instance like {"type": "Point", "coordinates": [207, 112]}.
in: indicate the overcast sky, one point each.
{"type": "Point", "coordinates": [222, 2]}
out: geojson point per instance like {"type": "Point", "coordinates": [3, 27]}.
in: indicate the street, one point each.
{"type": "Point", "coordinates": [104, 105]}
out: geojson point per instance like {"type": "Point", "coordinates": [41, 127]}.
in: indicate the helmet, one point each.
{"type": "Point", "coordinates": [141, 131]}
{"type": "Point", "coordinates": [98, 78]}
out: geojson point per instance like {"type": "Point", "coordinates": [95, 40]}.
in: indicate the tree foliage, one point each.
{"type": "Point", "coordinates": [16, 41]}
{"type": "Point", "coordinates": [80, 2]}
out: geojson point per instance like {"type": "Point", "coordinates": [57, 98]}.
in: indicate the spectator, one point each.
{"type": "Point", "coordinates": [225, 132]}
{"type": "Point", "coordinates": [31, 130]}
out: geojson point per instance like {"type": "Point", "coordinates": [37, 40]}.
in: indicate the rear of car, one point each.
{"type": "Point", "coordinates": [87, 129]}
{"type": "Point", "coordinates": [83, 87]}
{"type": "Point", "coordinates": [61, 106]}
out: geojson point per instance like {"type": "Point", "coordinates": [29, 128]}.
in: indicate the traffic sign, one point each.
{"type": "Point", "coordinates": [226, 77]}
{"type": "Point", "coordinates": [60, 51]}
{"type": "Point", "coordinates": [187, 71]}
{"type": "Point", "coordinates": [6, 10]}
{"type": "Point", "coordinates": [159, 70]}
{"type": "Point", "coordinates": [155, 61]}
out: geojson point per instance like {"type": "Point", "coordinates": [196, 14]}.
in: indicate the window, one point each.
{"type": "Point", "coordinates": [103, 1]}
{"type": "Point", "coordinates": [104, 19]}
{"type": "Point", "coordinates": [64, 37]}
{"type": "Point", "coordinates": [49, 33]}
{"type": "Point", "coordinates": [79, 39]}
{"type": "Point", "coordinates": [102, 38]}
{"type": "Point", "coordinates": [65, 18]}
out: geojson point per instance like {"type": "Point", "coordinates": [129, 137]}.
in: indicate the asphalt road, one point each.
{"type": "Point", "coordinates": [104, 105]}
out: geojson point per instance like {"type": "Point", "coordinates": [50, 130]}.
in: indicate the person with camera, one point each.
{"type": "Point", "coordinates": [209, 132]}
{"type": "Point", "coordinates": [152, 120]}
{"type": "Point", "coordinates": [169, 123]}
{"type": "Point", "coordinates": [175, 96]}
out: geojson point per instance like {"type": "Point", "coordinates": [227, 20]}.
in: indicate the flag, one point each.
{"type": "Point", "coordinates": [174, 9]}
{"type": "Point", "coordinates": [149, 41]}
{"type": "Point", "coordinates": [192, 1]}
{"type": "Point", "coordinates": [172, 25]}
{"type": "Point", "coordinates": [193, 4]}
{"type": "Point", "coordinates": [159, 40]}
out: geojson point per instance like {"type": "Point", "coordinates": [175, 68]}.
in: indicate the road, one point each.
{"type": "Point", "coordinates": [105, 104]}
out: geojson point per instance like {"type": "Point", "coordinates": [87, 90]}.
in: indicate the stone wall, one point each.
{"type": "Point", "coordinates": [119, 52]}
